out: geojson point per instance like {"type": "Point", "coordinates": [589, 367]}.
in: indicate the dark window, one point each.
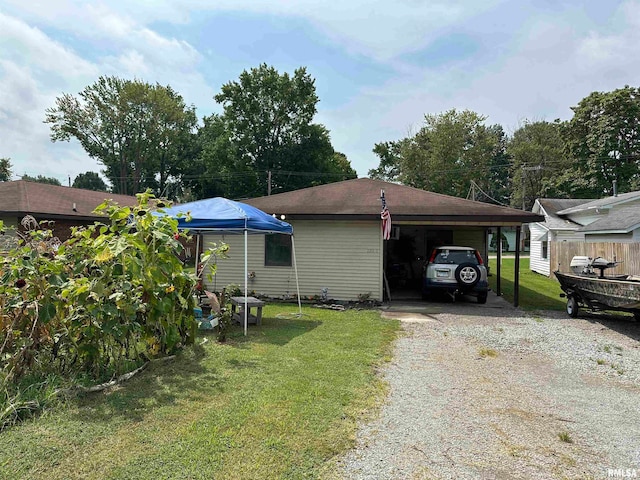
{"type": "Point", "coordinates": [277, 250]}
{"type": "Point", "coordinates": [545, 249]}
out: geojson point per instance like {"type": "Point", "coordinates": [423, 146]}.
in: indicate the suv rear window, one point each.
{"type": "Point", "coordinates": [455, 257]}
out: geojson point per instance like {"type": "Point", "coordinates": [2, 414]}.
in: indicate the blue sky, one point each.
{"type": "Point", "coordinates": [379, 66]}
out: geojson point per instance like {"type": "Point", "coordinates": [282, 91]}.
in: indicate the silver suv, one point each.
{"type": "Point", "coordinates": [456, 271]}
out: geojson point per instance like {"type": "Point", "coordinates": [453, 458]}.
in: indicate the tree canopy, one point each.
{"type": "Point", "coordinates": [450, 151]}
{"type": "Point", "coordinates": [539, 168]}
{"type": "Point", "coordinates": [267, 127]}
{"type": "Point", "coordinates": [5, 169]}
{"type": "Point", "coordinates": [90, 181]}
{"type": "Point", "coordinates": [604, 138]}
{"type": "Point", "coordinates": [138, 131]}
{"type": "Point", "coordinates": [42, 179]}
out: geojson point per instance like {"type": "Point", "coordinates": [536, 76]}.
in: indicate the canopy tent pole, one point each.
{"type": "Point", "coordinates": [295, 267]}
{"type": "Point", "coordinates": [246, 275]}
{"type": "Point", "coordinates": [197, 253]}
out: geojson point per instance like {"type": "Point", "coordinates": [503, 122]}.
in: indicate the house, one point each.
{"type": "Point", "coordinates": [338, 241]}
{"type": "Point", "coordinates": [607, 227]}
{"type": "Point", "coordinates": [65, 205]}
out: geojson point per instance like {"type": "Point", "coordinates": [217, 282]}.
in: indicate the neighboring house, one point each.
{"type": "Point", "coordinates": [338, 241]}
{"type": "Point", "coordinates": [568, 222]}
{"type": "Point", "coordinates": [66, 206]}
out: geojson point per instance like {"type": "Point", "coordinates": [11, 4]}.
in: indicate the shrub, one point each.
{"type": "Point", "coordinates": [113, 294]}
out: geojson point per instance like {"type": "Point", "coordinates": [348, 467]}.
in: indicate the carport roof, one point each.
{"type": "Point", "coordinates": [360, 199]}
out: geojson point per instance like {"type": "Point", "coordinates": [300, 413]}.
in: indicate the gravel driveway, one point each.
{"type": "Point", "coordinates": [491, 392]}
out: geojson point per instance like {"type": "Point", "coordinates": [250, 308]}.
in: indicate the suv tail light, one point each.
{"type": "Point", "coordinates": [480, 262]}
{"type": "Point", "coordinates": [433, 255]}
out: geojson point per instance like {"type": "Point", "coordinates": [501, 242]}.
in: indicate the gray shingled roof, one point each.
{"type": "Point", "coordinates": [623, 220]}
{"type": "Point", "coordinates": [553, 205]}
{"type": "Point", "coordinates": [51, 201]}
{"type": "Point", "coordinates": [360, 198]}
{"type": "Point", "coordinates": [602, 203]}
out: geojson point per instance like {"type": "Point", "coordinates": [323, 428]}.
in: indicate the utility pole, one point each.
{"type": "Point", "coordinates": [269, 182]}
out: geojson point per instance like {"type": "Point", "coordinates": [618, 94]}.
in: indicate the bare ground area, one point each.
{"type": "Point", "coordinates": [491, 392]}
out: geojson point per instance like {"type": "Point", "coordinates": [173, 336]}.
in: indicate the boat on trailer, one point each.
{"type": "Point", "coordinates": [586, 288]}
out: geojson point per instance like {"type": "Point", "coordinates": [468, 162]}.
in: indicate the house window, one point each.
{"type": "Point", "coordinates": [277, 250]}
{"type": "Point", "coordinates": [545, 249]}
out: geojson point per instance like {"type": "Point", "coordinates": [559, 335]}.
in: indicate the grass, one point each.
{"type": "Point", "coordinates": [280, 403]}
{"type": "Point", "coordinates": [537, 292]}
{"type": "Point", "coordinates": [565, 437]}
{"type": "Point", "coordinates": [488, 352]}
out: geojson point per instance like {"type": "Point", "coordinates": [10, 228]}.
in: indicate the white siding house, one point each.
{"type": "Point", "coordinates": [612, 220]}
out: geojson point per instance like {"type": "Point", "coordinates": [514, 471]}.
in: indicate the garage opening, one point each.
{"type": "Point", "coordinates": [405, 255]}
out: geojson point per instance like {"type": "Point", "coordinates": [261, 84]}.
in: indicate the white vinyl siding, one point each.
{"type": "Point", "coordinates": [568, 236]}
{"type": "Point", "coordinates": [609, 237]}
{"type": "Point", "coordinates": [343, 257]}
{"type": "Point", "coordinates": [536, 262]}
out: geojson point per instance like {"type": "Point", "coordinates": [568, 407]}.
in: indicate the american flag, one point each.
{"type": "Point", "coordinates": [386, 218]}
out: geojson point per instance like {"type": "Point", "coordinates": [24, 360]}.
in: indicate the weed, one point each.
{"type": "Point", "coordinates": [565, 437]}
{"type": "Point", "coordinates": [488, 352]}
{"type": "Point", "coordinates": [618, 368]}
{"type": "Point", "coordinates": [606, 349]}
{"type": "Point", "coordinates": [600, 361]}
{"type": "Point", "coordinates": [538, 319]}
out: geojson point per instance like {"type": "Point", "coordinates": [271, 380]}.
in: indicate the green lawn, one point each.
{"type": "Point", "coordinates": [537, 292]}
{"type": "Point", "coordinates": [280, 403]}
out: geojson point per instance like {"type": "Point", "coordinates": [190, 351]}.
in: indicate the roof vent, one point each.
{"type": "Point", "coordinates": [74, 207]}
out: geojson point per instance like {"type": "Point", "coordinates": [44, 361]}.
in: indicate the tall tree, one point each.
{"type": "Point", "coordinates": [267, 121]}
{"type": "Point", "coordinates": [540, 168]}
{"type": "Point", "coordinates": [42, 179]}
{"type": "Point", "coordinates": [136, 130]}
{"type": "Point", "coordinates": [390, 154]}
{"type": "Point", "coordinates": [604, 138]}
{"type": "Point", "coordinates": [5, 169]}
{"type": "Point", "coordinates": [90, 181]}
{"type": "Point", "coordinates": [450, 151]}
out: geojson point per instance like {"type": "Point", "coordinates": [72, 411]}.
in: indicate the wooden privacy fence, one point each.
{"type": "Point", "coordinates": [627, 253]}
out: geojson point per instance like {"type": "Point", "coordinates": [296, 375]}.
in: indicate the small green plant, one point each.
{"type": "Point", "coordinates": [488, 352]}
{"type": "Point", "coordinates": [565, 437]}
{"type": "Point", "coordinates": [600, 361]}
{"type": "Point", "coordinates": [538, 319]}
{"type": "Point", "coordinates": [233, 290]}
{"type": "Point", "coordinates": [364, 297]}
{"type": "Point", "coordinates": [618, 368]}
{"type": "Point", "coordinates": [606, 349]}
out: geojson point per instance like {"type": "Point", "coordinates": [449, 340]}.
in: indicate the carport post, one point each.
{"type": "Point", "coordinates": [499, 262]}
{"type": "Point", "coordinates": [516, 273]}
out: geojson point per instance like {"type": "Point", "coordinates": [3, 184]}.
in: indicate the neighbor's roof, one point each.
{"type": "Point", "coordinates": [360, 199]}
{"type": "Point", "coordinates": [623, 220]}
{"type": "Point", "coordinates": [552, 206]}
{"type": "Point", "coordinates": [21, 197]}
{"type": "Point", "coordinates": [603, 203]}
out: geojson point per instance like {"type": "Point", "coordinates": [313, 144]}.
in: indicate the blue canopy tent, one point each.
{"type": "Point", "coordinates": [229, 217]}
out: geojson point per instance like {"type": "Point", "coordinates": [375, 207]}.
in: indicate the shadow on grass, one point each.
{"type": "Point", "coordinates": [530, 299]}
{"type": "Point", "coordinates": [274, 331]}
{"type": "Point", "coordinates": [161, 383]}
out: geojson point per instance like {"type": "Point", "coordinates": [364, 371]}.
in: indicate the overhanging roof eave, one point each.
{"type": "Point", "coordinates": [488, 220]}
